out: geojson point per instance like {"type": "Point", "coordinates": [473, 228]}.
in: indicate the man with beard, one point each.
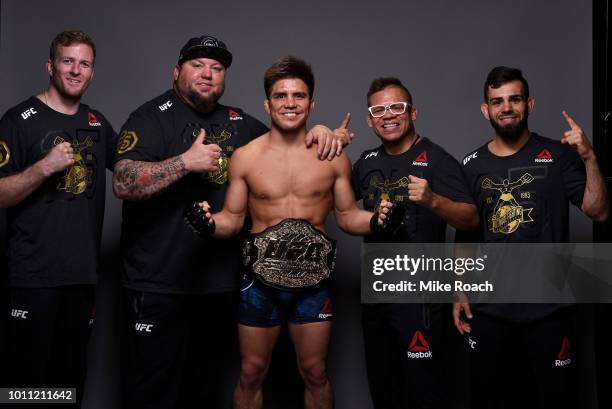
{"type": "Point", "coordinates": [537, 178]}
{"type": "Point", "coordinates": [53, 152]}
{"type": "Point", "coordinates": [412, 172]}
{"type": "Point", "coordinates": [172, 277]}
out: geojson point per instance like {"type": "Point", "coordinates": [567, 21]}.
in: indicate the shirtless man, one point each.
{"type": "Point", "coordinates": [289, 194]}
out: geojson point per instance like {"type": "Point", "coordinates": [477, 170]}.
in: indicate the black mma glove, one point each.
{"type": "Point", "coordinates": [393, 221]}
{"type": "Point", "coordinates": [196, 220]}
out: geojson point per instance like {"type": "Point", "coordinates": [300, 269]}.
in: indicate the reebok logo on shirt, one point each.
{"type": "Point", "coordinates": [421, 160]}
{"type": "Point", "coordinates": [564, 357]}
{"type": "Point", "coordinates": [93, 121]}
{"type": "Point", "coordinates": [23, 314]}
{"type": "Point", "coordinates": [544, 157]}
{"type": "Point", "coordinates": [234, 116]}
{"type": "Point", "coordinates": [419, 347]}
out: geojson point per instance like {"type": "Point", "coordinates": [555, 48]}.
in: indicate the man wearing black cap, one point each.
{"type": "Point", "coordinates": [172, 151]}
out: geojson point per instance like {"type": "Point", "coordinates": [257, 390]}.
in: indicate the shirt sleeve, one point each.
{"type": "Point", "coordinates": [141, 138]}
{"type": "Point", "coordinates": [449, 181]}
{"type": "Point", "coordinates": [256, 127]}
{"type": "Point", "coordinates": [110, 139]}
{"type": "Point", "coordinates": [573, 174]}
{"type": "Point", "coordinates": [13, 148]}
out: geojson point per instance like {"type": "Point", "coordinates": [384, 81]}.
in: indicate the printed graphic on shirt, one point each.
{"type": "Point", "coordinates": [5, 153]}
{"type": "Point", "coordinates": [219, 138]}
{"type": "Point", "coordinates": [220, 135]}
{"type": "Point", "coordinates": [388, 189]}
{"type": "Point", "coordinates": [508, 213]}
{"type": "Point", "coordinates": [127, 141]}
{"type": "Point", "coordinates": [78, 176]}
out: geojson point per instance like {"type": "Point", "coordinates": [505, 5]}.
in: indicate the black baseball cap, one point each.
{"type": "Point", "coordinates": [206, 47]}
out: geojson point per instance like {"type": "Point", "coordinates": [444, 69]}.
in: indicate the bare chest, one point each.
{"type": "Point", "coordinates": [300, 176]}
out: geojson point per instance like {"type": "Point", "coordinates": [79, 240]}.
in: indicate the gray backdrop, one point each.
{"type": "Point", "coordinates": [442, 51]}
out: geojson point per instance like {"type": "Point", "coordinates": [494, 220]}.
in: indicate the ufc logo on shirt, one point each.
{"type": "Point", "coordinates": [19, 313]}
{"type": "Point", "coordinates": [143, 327]}
{"type": "Point", "coordinates": [28, 113]}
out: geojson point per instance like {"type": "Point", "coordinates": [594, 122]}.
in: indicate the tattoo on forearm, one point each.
{"type": "Point", "coordinates": [135, 180]}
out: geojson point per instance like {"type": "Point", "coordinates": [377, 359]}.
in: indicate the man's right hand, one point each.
{"type": "Point", "coordinates": [388, 218]}
{"type": "Point", "coordinates": [59, 158]}
{"type": "Point", "coordinates": [200, 157]}
{"type": "Point", "coordinates": [199, 219]}
{"type": "Point", "coordinates": [462, 326]}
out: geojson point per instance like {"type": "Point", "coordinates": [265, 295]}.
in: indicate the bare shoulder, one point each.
{"type": "Point", "coordinates": [253, 147]}
{"type": "Point", "coordinates": [243, 156]}
{"type": "Point", "coordinates": [341, 164]}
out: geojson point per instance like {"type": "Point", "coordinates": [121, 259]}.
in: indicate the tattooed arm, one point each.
{"type": "Point", "coordinates": [137, 180]}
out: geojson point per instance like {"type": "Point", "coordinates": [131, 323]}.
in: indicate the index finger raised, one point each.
{"type": "Point", "coordinates": [345, 121]}
{"type": "Point", "coordinates": [570, 120]}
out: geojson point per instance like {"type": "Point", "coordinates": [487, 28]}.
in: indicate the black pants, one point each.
{"type": "Point", "coordinates": [183, 350]}
{"type": "Point", "coordinates": [405, 354]}
{"type": "Point", "coordinates": [543, 347]}
{"type": "Point", "coordinates": [47, 337]}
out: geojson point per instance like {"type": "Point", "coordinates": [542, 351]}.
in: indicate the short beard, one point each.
{"type": "Point", "coordinates": [59, 87]}
{"type": "Point", "coordinates": [202, 103]}
{"type": "Point", "coordinates": [510, 133]}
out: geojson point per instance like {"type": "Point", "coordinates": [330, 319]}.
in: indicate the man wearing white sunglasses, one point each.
{"type": "Point", "coordinates": [402, 341]}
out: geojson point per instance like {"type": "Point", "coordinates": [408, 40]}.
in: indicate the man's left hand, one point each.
{"type": "Point", "coordinates": [419, 191]}
{"type": "Point", "coordinates": [577, 139]}
{"type": "Point", "coordinates": [330, 143]}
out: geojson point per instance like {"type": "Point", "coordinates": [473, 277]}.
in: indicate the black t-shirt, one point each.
{"type": "Point", "coordinates": [54, 234]}
{"type": "Point", "coordinates": [378, 175]}
{"type": "Point", "coordinates": [524, 198]}
{"type": "Point", "coordinates": [159, 251]}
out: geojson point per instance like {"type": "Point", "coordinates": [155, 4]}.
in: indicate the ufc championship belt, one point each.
{"type": "Point", "coordinates": [291, 255]}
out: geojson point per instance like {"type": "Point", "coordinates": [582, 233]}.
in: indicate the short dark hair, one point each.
{"type": "Point", "coordinates": [289, 67]}
{"type": "Point", "coordinates": [501, 75]}
{"type": "Point", "coordinates": [67, 38]}
{"type": "Point", "coordinates": [385, 82]}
